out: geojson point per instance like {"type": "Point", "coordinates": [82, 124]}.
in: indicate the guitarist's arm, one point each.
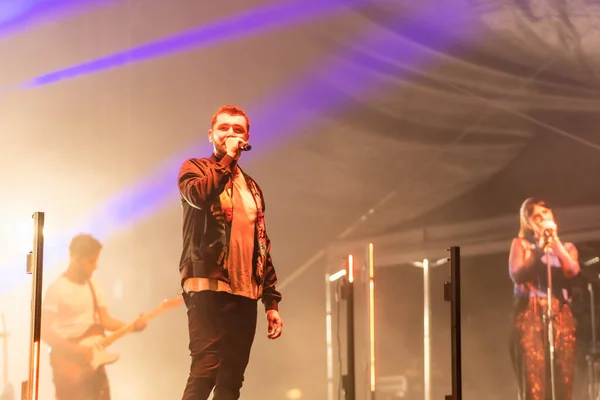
{"type": "Point", "coordinates": [112, 324]}
{"type": "Point", "coordinates": [57, 342]}
{"type": "Point", "coordinates": [108, 322]}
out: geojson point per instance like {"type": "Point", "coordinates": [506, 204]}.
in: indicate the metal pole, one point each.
{"type": "Point", "coordinates": [329, 337]}
{"type": "Point", "coordinates": [426, 332]}
{"type": "Point", "coordinates": [35, 267]}
{"type": "Point", "coordinates": [591, 357]}
{"type": "Point", "coordinates": [329, 279]}
{"type": "Point", "coordinates": [550, 322]}
{"type": "Point", "coordinates": [350, 377]}
{"type": "Point", "coordinates": [452, 294]}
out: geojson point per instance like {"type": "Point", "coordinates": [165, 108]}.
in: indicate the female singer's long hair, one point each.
{"type": "Point", "coordinates": [526, 210]}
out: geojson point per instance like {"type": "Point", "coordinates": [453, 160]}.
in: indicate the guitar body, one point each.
{"type": "Point", "coordinates": [99, 356]}
{"type": "Point", "coordinates": [8, 392]}
{"type": "Point", "coordinates": [67, 368]}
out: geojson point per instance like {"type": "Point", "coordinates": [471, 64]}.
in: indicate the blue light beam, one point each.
{"type": "Point", "coordinates": [238, 26]}
{"type": "Point", "coordinates": [17, 15]}
{"type": "Point", "coordinates": [288, 108]}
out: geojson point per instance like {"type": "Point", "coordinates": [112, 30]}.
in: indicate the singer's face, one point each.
{"type": "Point", "coordinates": [227, 126]}
{"type": "Point", "coordinates": [539, 215]}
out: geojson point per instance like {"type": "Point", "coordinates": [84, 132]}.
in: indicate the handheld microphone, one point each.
{"type": "Point", "coordinates": [548, 228]}
{"type": "Point", "coordinates": [245, 147]}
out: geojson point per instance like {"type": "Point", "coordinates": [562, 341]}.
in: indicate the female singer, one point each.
{"type": "Point", "coordinates": [528, 267]}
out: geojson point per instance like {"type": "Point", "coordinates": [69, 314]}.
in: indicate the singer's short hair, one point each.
{"type": "Point", "coordinates": [233, 110]}
{"type": "Point", "coordinates": [84, 245]}
{"type": "Point", "coordinates": [526, 211]}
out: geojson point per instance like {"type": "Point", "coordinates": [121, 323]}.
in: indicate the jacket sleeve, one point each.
{"type": "Point", "coordinates": [270, 297]}
{"type": "Point", "coordinates": [201, 181]}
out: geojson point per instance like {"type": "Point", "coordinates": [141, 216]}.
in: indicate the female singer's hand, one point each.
{"type": "Point", "coordinates": [548, 234]}
{"type": "Point", "coordinates": [549, 225]}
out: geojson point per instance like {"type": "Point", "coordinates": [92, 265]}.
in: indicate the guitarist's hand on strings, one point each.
{"type": "Point", "coordinates": [140, 323]}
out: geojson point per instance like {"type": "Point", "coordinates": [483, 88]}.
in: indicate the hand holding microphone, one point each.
{"type": "Point", "coordinates": [548, 229]}
{"type": "Point", "coordinates": [235, 146]}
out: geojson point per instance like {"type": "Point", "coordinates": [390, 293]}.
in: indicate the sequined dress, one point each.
{"type": "Point", "coordinates": [529, 339]}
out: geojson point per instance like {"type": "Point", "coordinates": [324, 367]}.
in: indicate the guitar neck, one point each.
{"type": "Point", "coordinates": [119, 333]}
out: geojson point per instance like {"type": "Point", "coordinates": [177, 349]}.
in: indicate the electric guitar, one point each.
{"type": "Point", "coordinates": [8, 392]}
{"type": "Point", "coordinates": [68, 368]}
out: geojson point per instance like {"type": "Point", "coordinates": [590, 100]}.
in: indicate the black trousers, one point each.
{"type": "Point", "coordinates": [222, 328]}
{"type": "Point", "coordinates": [96, 387]}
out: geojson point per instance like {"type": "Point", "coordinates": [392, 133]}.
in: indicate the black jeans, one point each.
{"type": "Point", "coordinates": [95, 387]}
{"type": "Point", "coordinates": [222, 328]}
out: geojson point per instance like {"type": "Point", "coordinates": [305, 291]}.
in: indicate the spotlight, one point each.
{"type": "Point", "coordinates": [334, 277]}
{"type": "Point", "coordinates": [592, 261]}
{"type": "Point", "coordinates": [293, 394]}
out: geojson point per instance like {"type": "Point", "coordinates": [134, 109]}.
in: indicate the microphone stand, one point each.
{"type": "Point", "coordinates": [592, 355]}
{"type": "Point", "coordinates": [549, 316]}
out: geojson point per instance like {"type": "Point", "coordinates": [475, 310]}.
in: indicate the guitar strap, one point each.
{"type": "Point", "coordinates": [96, 314]}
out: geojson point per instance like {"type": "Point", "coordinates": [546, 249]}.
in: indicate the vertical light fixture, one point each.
{"type": "Point", "coordinates": [426, 332]}
{"type": "Point", "coordinates": [329, 279]}
{"type": "Point", "coordinates": [371, 321]}
{"type": "Point", "coordinates": [350, 377]}
{"type": "Point", "coordinates": [350, 268]}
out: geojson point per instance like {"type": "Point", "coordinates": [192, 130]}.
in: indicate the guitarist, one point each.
{"type": "Point", "coordinates": [74, 308]}
{"type": "Point", "coordinates": [7, 390]}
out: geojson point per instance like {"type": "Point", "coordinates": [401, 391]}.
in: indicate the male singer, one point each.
{"type": "Point", "coordinates": [225, 265]}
